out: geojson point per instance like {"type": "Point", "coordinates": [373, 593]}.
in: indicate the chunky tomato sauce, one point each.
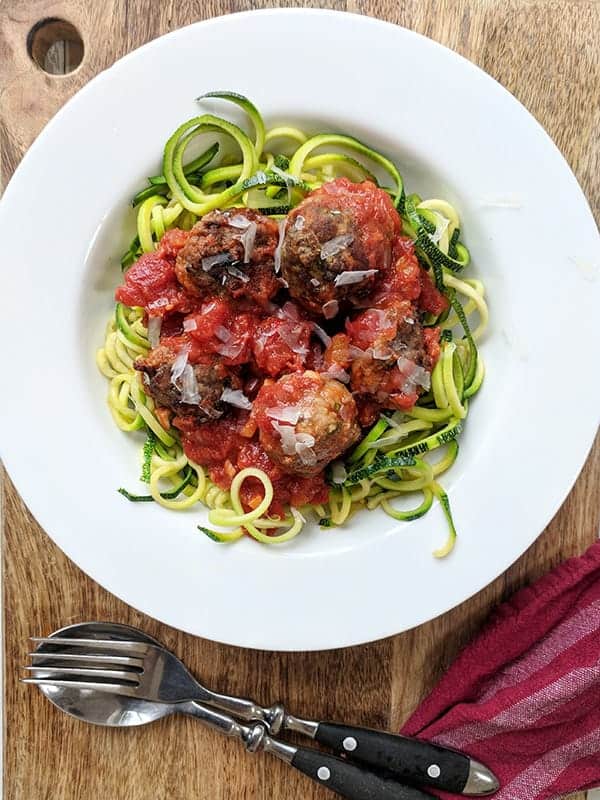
{"type": "Point", "coordinates": [255, 340]}
{"type": "Point", "coordinates": [227, 446]}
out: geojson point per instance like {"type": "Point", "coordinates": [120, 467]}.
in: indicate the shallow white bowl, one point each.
{"type": "Point", "coordinates": [455, 133]}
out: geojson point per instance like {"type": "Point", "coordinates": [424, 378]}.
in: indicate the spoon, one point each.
{"type": "Point", "coordinates": [105, 708]}
{"type": "Point", "coordinates": [149, 672]}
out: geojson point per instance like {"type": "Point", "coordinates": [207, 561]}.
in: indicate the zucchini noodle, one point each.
{"type": "Point", "coordinates": [404, 452]}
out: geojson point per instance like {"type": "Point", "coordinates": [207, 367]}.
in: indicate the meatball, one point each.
{"type": "Point", "coordinates": [230, 252]}
{"type": "Point", "coordinates": [394, 355]}
{"type": "Point", "coordinates": [305, 420]}
{"type": "Point", "coordinates": [339, 229]}
{"type": "Point", "coordinates": [192, 390]}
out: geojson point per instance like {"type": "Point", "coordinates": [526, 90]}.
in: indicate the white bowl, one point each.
{"type": "Point", "coordinates": [454, 133]}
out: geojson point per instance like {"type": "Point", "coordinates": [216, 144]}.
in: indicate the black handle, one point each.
{"type": "Point", "coordinates": [350, 780]}
{"type": "Point", "coordinates": [411, 760]}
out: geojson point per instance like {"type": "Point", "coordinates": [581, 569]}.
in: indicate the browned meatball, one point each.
{"type": "Point", "coordinates": [305, 420]}
{"type": "Point", "coordinates": [230, 251]}
{"type": "Point", "coordinates": [186, 389]}
{"type": "Point", "coordinates": [337, 240]}
{"type": "Point", "coordinates": [393, 360]}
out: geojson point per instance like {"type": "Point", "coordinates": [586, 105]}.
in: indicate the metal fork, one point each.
{"type": "Point", "coordinates": [150, 672]}
{"type": "Point", "coordinates": [136, 669]}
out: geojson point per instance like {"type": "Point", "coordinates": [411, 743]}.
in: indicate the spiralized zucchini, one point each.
{"type": "Point", "coordinates": [404, 453]}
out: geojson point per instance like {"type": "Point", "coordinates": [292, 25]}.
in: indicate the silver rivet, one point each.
{"type": "Point", "coordinates": [434, 771]}
{"type": "Point", "coordinates": [349, 743]}
{"type": "Point", "coordinates": [323, 773]}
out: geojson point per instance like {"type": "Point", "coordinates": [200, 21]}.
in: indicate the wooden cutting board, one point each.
{"type": "Point", "coordinates": [547, 54]}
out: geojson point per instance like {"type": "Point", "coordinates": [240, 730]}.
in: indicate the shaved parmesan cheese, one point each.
{"type": "Point", "coordinates": [414, 376]}
{"type": "Point", "coordinates": [336, 373]}
{"type": "Point", "coordinates": [336, 245]}
{"type": "Point", "coordinates": [288, 179]}
{"type": "Point", "coordinates": [277, 256]}
{"type": "Point", "coordinates": [235, 397]}
{"type": "Point", "coordinates": [290, 414]}
{"type": "Point", "coordinates": [252, 384]}
{"type": "Point", "coordinates": [260, 341]}
{"type": "Point", "coordinates": [385, 440]}
{"type": "Point", "coordinates": [230, 350]}
{"type": "Point", "coordinates": [211, 412]}
{"type": "Point", "coordinates": [248, 238]}
{"type": "Point", "coordinates": [296, 444]}
{"type": "Point", "coordinates": [315, 282]}
{"type": "Point", "coordinates": [238, 221]}
{"type": "Point", "coordinates": [441, 224]}
{"type": "Point", "coordinates": [392, 421]}
{"type": "Point", "coordinates": [189, 386]}
{"type": "Point", "coordinates": [356, 352]}
{"type": "Point", "coordinates": [222, 333]}
{"type": "Point", "coordinates": [304, 449]}
{"type": "Point", "coordinates": [290, 311]}
{"type": "Point", "coordinates": [381, 353]}
{"type": "Point", "coordinates": [305, 438]}
{"type": "Point", "coordinates": [291, 336]}
{"type": "Point", "coordinates": [189, 325]}
{"type": "Point", "coordinates": [353, 276]}
{"type": "Point", "coordinates": [380, 315]}
{"type": "Point", "coordinates": [330, 309]}
{"type": "Point", "coordinates": [286, 176]}
{"type": "Point", "coordinates": [321, 334]}
{"type": "Point", "coordinates": [288, 438]}
{"type": "Point", "coordinates": [179, 365]}
{"type": "Point", "coordinates": [154, 324]}
{"type": "Point", "coordinates": [338, 472]}
{"type": "Point", "coordinates": [237, 273]}
{"type": "Point", "coordinates": [299, 223]}
{"type": "Point", "coordinates": [214, 261]}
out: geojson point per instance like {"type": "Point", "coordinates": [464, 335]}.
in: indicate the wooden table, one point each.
{"type": "Point", "coordinates": [546, 53]}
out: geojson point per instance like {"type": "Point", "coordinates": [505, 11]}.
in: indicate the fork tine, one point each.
{"type": "Point", "coordinates": [133, 648]}
{"type": "Point", "coordinates": [113, 688]}
{"type": "Point", "coordinates": [87, 657]}
{"type": "Point", "coordinates": [118, 675]}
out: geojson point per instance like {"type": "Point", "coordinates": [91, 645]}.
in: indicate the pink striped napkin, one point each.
{"type": "Point", "coordinates": [524, 697]}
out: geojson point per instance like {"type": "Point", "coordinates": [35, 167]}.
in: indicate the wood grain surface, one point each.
{"type": "Point", "coordinates": [547, 54]}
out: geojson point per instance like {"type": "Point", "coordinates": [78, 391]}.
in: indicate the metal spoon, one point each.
{"type": "Point", "coordinates": [105, 708]}
{"type": "Point", "coordinates": [155, 675]}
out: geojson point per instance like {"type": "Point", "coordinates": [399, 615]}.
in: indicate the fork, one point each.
{"type": "Point", "coordinates": [150, 672]}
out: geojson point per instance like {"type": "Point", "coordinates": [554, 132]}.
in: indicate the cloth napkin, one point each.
{"type": "Point", "coordinates": [524, 696]}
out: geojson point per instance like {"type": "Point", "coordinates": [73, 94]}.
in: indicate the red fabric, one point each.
{"type": "Point", "coordinates": [524, 697]}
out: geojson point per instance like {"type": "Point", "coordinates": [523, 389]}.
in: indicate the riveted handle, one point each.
{"type": "Point", "coordinates": [411, 760]}
{"type": "Point", "coordinates": [351, 781]}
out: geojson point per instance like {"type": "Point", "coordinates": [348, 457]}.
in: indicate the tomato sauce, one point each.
{"type": "Point", "coordinates": [151, 284]}
{"type": "Point", "coordinates": [431, 299]}
{"type": "Point", "coordinates": [212, 443]}
{"type": "Point", "coordinates": [281, 345]}
{"type": "Point", "coordinates": [258, 341]}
